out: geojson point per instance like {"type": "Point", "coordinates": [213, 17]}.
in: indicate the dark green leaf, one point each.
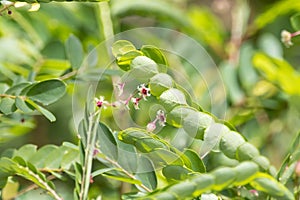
{"type": "Point", "coordinates": [143, 68]}
{"type": "Point", "coordinates": [171, 98]}
{"type": "Point", "coordinates": [155, 54]}
{"type": "Point", "coordinates": [122, 47]}
{"type": "Point", "coordinates": [192, 160]}
{"type": "Point", "coordinates": [107, 142]}
{"type": "Point", "coordinates": [125, 60]}
{"type": "Point", "coordinates": [43, 111]}
{"type": "Point", "coordinates": [23, 105]}
{"type": "Point", "coordinates": [47, 92]}
{"type": "Point", "coordinates": [175, 172]}
{"type": "Point", "coordinates": [295, 21]}
{"type": "Point", "coordinates": [74, 51]}
{"type": "Point", "coordinates": [159, 83]}
{"type": "Point", "coordinates": [146, 173]}
{"type": "Point", "coordinates": [247, 151]}
{"type": "Point", "coordinates": [26, 151]}
{"type": "Point", "coordinates": [7, 105]}
{"type": "Point", "coordinates": [223, 177]}
{"type": "Point", "coordinates": [16, 89]}
{"type": "Point", "coordinates": [230, 142]}
{"type": "Point", "coordinates": [40, 157]}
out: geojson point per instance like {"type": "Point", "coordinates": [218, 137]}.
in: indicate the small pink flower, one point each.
{"type": "Point", "coordinates": [254, 192]}
{"type": "Point", "coordinates": [135, 102]}
{"type": "Point", "coordinates": [91, 179]}
{"type": "Point", "coordinates": [151, 126]}
{"type": "Point", "coordinates": [120, 87]}
{"type": "Point", "coordinates": [101, 102]}
{"type": "Point", "coordinates": [143, 91]}
{"type": "Point", "coordinates": [95, 152]}
{"type": "Point", "coordinates": [160, 116]}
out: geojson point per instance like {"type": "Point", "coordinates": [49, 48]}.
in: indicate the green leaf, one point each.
{"type": "Point", "coordinates": [3, 88]}
{"type": "Point", "coordinates": [7, 106]}
{"type": "Point", "coordinates": [288, 173]}
{"type": "Point", "coordinates": [183, 189]}
{"type": "Point", "coordinates": [247, 151]}
{"type": "Point", "coordinates": [175, 172]}
{"type": "Point", "coordinates": [101, 171]}
{"type": "Point", "coordinates": [263, 162]}
{"type": "Point", "coordinates": [107, 142]}
{"type": "Point", "coordinates": [127, 156]}
{"type": "Point", "coordinates": [195, 124]}
{"type": "Point", "coordinates": [74, 51]}
{"type": "Point", "coordinates": [269, 185]}
{"type": "Point", "coordinates": [192, 160]}
{"type": "Point", "coordinates": [279, 72]}
{"type": "Point", "coordinates": [26, 151]}
{"type": "Point", "coordinates": [212, 137]}
{"type": "Point", "coordinates": [276, 10]}
{"type": "Point", "coordinates": [295, 21]}
{"type": "Point", "coordinates": [156, 55]}
{"type": "Point", "coordinates": [43, 111]}
{"type": "Point", "coordinates": [143, 68]}
{"type": "Point", "coordinates": [229, 73]}
{"type": "Point", "coordinates": [125, 60]}
{"type": "Point", "coordinates": [271, 45]}
{"type": "Point", "coordinates": [41, 156]}
{"type": "Point", "coordinates": [223, 177]}
{"type": "Point", "coordinates": [160, 83]}
{"type": "Point", "coordinates": [54, 158]}
{"type": "Point", "coordinates": [171, 98]}
{"type": "Point", "coordinates": [122, 47]}
{"type": "Point", "coordinates": [70, 155]}
{"type": "Point", "coordinates": [6, 170]}
{"type": "Point", "coordinates": [204, 182]}
{"type": "Point", "coordinates": [146, 145]}
{"type": "Point", "coordinates": [23, 105]}
{"type": "Point", "coordinates": [16, 89]}
{"type": "Point", "coordinates": [47, 92]}
{"type": "Point", "coordinates": [245, 172]}
{"type": "Point", "coordinates": [20, 167]}
{"type": "Point", "coordinates": [142, 140]}
{"type": "Point", "coordinates": [178, 114]}
{"type": "Point", "coordinates": [163, 157]}
{"type": "Point", "coordinates": [123, 179]}
{"type": "Point", "coordinates": [146, 173]}
{"type": "Point", "coordinates": [230, 142]}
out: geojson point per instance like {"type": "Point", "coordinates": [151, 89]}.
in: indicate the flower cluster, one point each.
{"type": "Point", "coordinates": [143, 93]}
{"type": "Point", "coordinates": [160, 118]}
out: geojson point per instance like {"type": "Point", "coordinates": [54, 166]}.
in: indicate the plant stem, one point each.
{"type": "Point", "coordinates": [239, 22]}
{"type": "Point", "coordinates": [89, 153]}
{"type": "Point", "coordinates": [68, 75]}
{"type": "Point", "coordinates": [105, 24]}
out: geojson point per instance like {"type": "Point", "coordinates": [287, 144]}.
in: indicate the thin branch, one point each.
{"type": "Point", "coordinates": [33, 187]}
{"type": "Point", "coordinates": [89, 153]}
{"type": "Point", "coordinates": [68, 75]}
{"type": "Point", "coordinates": [238, 24]}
